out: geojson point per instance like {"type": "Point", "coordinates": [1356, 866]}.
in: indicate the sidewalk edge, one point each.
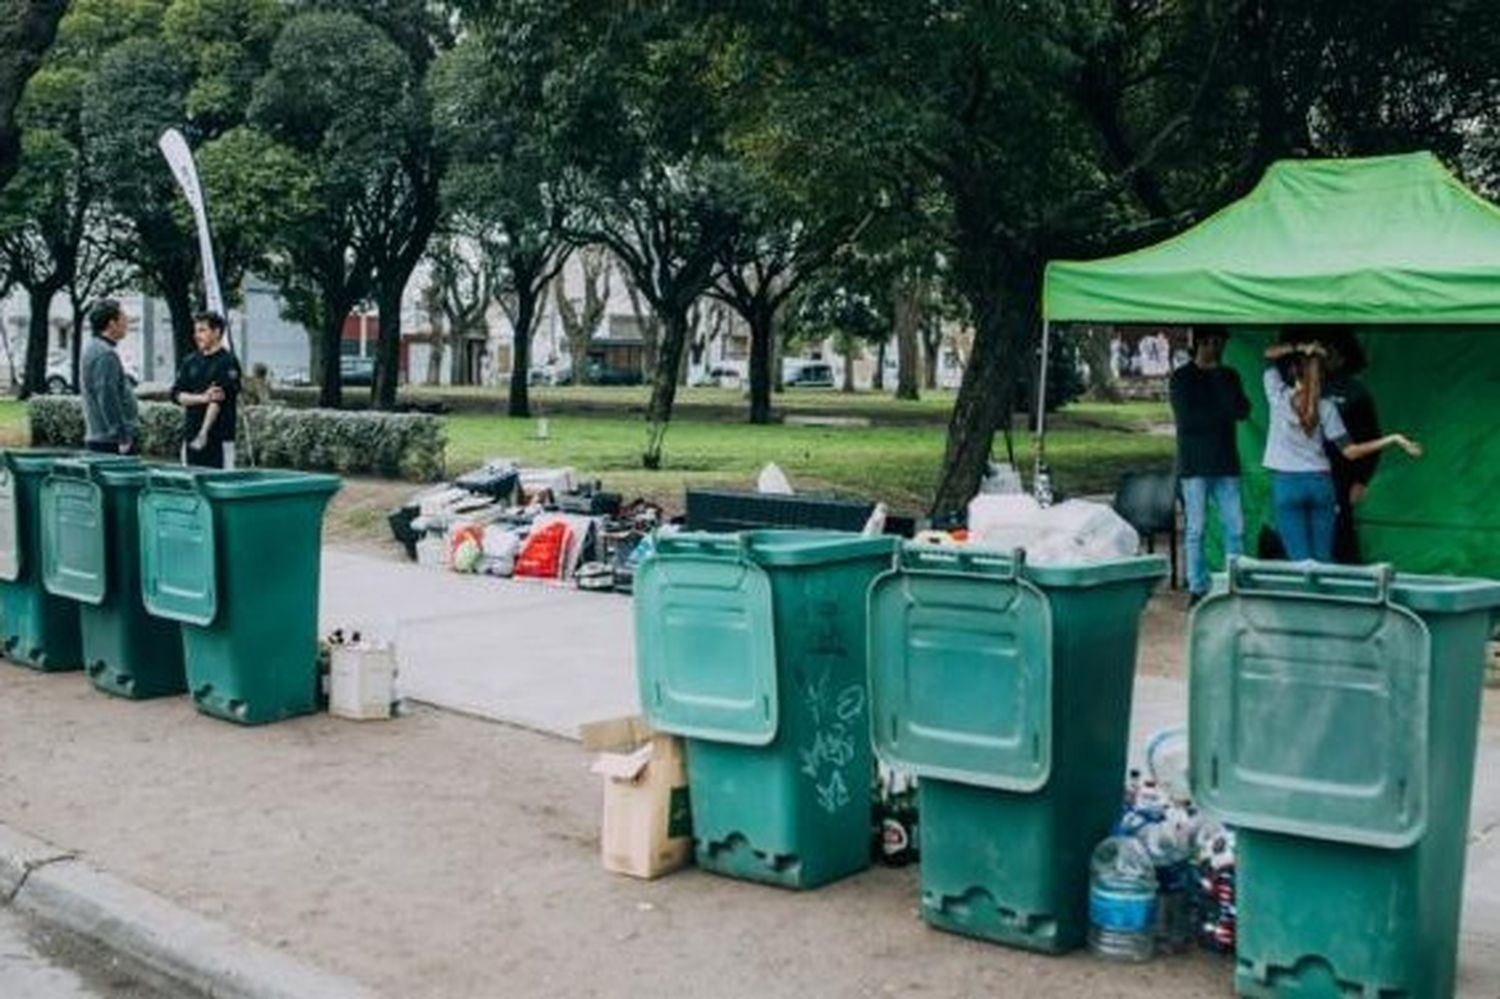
{"type": "Point", "coordinates": [53, 886]}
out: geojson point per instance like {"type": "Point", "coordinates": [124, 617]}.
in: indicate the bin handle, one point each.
{"type": "Point", "coordinates": [87, 470]}
{"type": "Point", "coordinates": [172, 480]}
{"type": "Point", "coordinates": [703, 543]}
{"type": "Point", "coordinates": [1005, 566]}
{"type": "Point", "coordinates": [1352, 583]}
{"type": "Point", "coordinates": [82, 471]}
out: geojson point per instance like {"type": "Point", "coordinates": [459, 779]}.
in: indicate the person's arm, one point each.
{"type": "Point", "coordinates": [210, 417]}
{"type": "Point", "coordinates": [180, 394]}
{"type": "Point", "coordinates": [1364, 449]}
{"type": "Point", "coordinates": [1275, 386]}
{"type": "Point", "coordinates": [1335, 434]}
{"type": "Point", "coordinates": [1277, 351]}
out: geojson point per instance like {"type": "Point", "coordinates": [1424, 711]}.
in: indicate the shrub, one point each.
{"type": "Point", "coordinates": [394, 445]}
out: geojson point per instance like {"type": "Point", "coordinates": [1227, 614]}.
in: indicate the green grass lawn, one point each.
{"type": "Point", "coordinates": [898, 464]}
{"type": "Point", "coordinates": [1089, 446]}
{"type": "Point", "coordinates": [934, 403]}
{"type": "Point", "coordinates": [15, 430]}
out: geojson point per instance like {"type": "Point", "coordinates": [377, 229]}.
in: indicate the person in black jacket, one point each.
{"type": "Point", "coordinates": [1207, 401]}
{"type": "Point", "coordinates": [1351, 479]}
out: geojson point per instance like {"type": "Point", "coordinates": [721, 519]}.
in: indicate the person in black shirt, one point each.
{"type": "Point", "coordinates": [1207, 401]}
{"type": "Point", "coordinates": [1351, 479]}
{"type": "Point", "coordinates": [208, 389]}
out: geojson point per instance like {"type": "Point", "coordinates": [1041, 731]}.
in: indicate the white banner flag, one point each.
{"type": "Point", "coordinates": [180, 158]}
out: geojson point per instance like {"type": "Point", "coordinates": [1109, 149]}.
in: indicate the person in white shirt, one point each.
{"type": "Point", "coordinates": [1300, 426]}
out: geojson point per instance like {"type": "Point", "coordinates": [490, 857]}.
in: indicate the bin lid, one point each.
{"type": "Point", "coordinates": [706, 641]}
{"type": "Point", "coordinates": [71, 510]}
{"type": "Point", "coordinates": [961, 669]}
{"type": "Point", "coordinates": [178, 568]}
{"type": "Point", "coordinates": [800, 549]}
{"type": "Point", "coordinates": [1445, 594]}
{"type": "Point", "coordinates": [1308, 714]}
{"type": "Point", "coordinates": [1146, 569]}
{"type": "Point", "coordinates": [260, 483]}
{"type": "Point", "coordinates": [38, 461]}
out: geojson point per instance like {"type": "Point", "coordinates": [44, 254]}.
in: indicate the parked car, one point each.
{"type": "Point", "coordinates": [721, 376]}
{"type": "Point", "coordinates": [601, 375]}
{"type": "Point", "coordinates": [357, 370]}
{"type": "Point", "coordinates": [813, 374]}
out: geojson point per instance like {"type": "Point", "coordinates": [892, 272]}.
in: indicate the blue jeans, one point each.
{"type": "Point", "coordinates": [1196, 492]}
{"type": "Point", "coordinates": [1306, 507]}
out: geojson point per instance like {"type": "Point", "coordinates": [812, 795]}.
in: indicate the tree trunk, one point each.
{"type": "Point", "coordinates": [877, 380]}
{"type": "Point", "coordinates": [388, 344]}
{"type": "Point", "coordinates": [578, 353]}
{"type": "Point", "coordinates": [1096, 353]}
{"type": "Point", "coordinates": [762, 322]}
{"type": "Point", "coordinates": [674, 331]}
{"type": "Point", "coordinates": [849, 347]}
{"type": "Point", "coordinates": [330, 375]}
{"type": "Point", "coordinates": [932, 346]}
{"type": "Point", "coordinates": [520, 373]}
{"type": "Point", "coordinates": [778, 349]}
{"type": "Point", "coordinates": [38, 339]}
{"type": "Point", "coordinates": [75, 362]}
{"type": "Point", "coordinates": [435, 361]}
{"type": "Point", "coordinates": [458, 352]}
{"type": "Point", "coordinates": [907, 315]}
{"type": "Point", "coordinates": [986, 397]}
{"type": "Point", "coordinates": [178, 292]}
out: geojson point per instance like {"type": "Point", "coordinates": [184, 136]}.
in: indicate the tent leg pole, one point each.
{"type": "Point", "coordinates": [1041, 402]}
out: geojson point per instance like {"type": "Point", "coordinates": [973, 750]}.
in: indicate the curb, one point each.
{"type": "Point", "coordinates": [54, 886]}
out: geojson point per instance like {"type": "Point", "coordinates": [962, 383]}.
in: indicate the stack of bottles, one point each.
{"type": "Point", "coordinates": [893, 820]}
{"type": "Point", "coordinates": [1165, 875]}
{"type": "Point", "coordinates": [1213, 883]}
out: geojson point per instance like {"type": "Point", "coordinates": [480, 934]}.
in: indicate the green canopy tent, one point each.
{"type": "Point", "coordinates": [1394, 247]}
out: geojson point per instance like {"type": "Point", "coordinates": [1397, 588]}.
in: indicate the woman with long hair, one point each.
{"type": "Point", "coordinates": [1301, 425]}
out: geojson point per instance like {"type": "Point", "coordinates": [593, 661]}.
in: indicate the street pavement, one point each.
{"type": "Point", "coordinates": [36, 963]}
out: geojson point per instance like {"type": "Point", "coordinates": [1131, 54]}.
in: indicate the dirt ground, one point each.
{"type": "Point", "coordinates": [439, 856]}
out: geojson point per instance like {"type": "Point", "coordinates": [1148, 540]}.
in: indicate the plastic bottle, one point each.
{"type": "Point", "coordinates": [1122, 900]}
{"type": "Point", "coordinates": [1167, 763]}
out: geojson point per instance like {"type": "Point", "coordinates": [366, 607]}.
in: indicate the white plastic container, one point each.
{"type": "Point", "coordinates": [362, 681]}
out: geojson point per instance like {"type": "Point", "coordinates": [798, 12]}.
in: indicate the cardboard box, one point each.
{"type": "Point", "coordinates": [647, 826]}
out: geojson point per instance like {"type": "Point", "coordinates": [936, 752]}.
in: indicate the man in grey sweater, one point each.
{"type": "Point", "coordinates": [111, 418]}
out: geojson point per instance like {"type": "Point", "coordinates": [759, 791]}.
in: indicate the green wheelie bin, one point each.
{"type": "Point", "coordinates": [752, 647]}
{"type": "Point", "coordinates": [91, 555]}
{"type": "Point", "coordinates": [1006, 689]}
{"type": "Point", "coordinates": [234, 556]}
{"type": "Point", "coordinates": [1333, 719]}
{"type": "Point", "coordinates": [37, 629]}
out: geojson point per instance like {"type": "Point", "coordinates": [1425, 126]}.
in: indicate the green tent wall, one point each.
{"type": "Point", "coordinates": [1396, 248]}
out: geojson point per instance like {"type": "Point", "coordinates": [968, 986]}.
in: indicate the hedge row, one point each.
{"type": "Point", "coordinates": [394, 445]}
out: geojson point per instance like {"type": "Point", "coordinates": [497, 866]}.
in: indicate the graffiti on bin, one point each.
{"type": "Point", "coordinates": [830, 751]}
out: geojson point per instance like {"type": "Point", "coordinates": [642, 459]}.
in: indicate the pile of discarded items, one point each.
{"type": "Point", "coordinates": [527, 523]}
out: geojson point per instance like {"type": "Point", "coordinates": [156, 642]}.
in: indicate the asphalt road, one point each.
{"type": "Point", "coordinates": [36, 963]}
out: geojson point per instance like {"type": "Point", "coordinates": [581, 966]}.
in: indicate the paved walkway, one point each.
{"type": "Point", "coordinates": [443, 856]}
{"type": "Point", "coordinates": [539, 656]}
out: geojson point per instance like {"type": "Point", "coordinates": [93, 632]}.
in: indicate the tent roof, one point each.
{"type": "Point", "coordinates": [1391, 239]}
